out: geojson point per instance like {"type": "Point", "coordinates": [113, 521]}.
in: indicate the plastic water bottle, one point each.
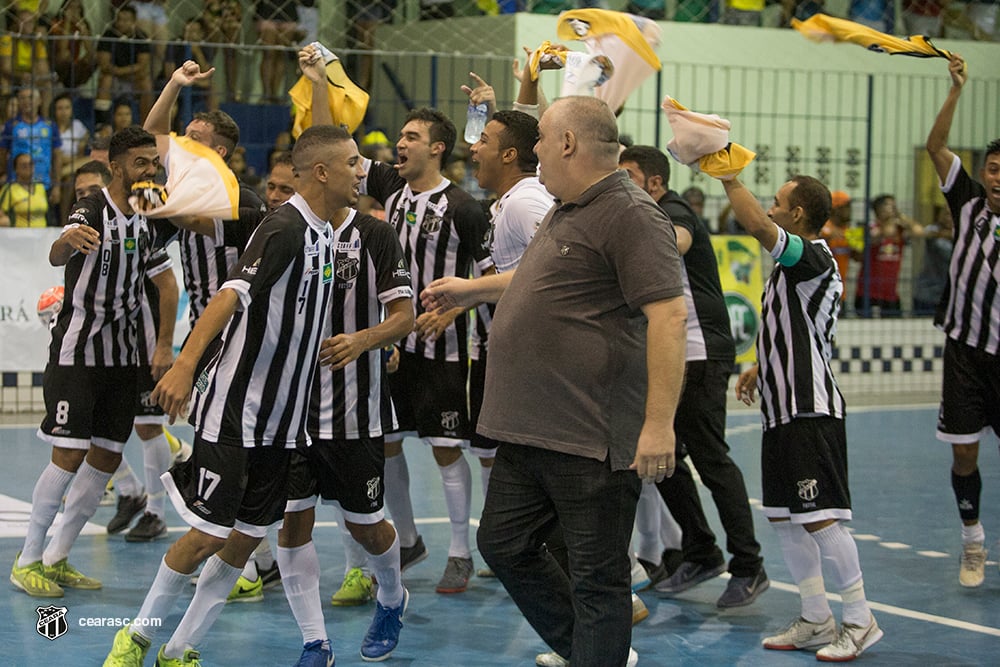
{"type": "Point", "coordinates": [475, 121]}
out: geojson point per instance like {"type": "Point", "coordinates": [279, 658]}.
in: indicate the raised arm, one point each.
{"type": "Point", "coordinates": [313, 68]}
{"type": "Point", "coordinates": [749, 213]}
{"type": "Point", "coordinates": [158, 119]}
{"type": "Point", "coordinates": [937, 140]}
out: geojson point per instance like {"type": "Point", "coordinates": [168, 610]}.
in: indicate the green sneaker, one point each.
{"type": "Point", "coordinates": [357, 589]}
{"type": "Point", "coordinates": [191, 658]}
{"type": "Point", "coordinates": [246, 590]}
{"type": "Point", "coordinates": [129, 650]}
{"type": "Point", "coordinates": [66, 575]}
{"type": "Point", "coordinates": [32, 580]}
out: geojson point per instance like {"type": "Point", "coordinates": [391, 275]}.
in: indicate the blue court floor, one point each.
{"type": "Point", "coordinates": [905, 522]}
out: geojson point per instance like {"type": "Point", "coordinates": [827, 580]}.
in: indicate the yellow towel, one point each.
{"type": "Point", "coordinates": [701, 141]}
{"type": "Point", "coordinates": [726, 163]}
{"type": "Point", "coordinates": [198, 182]}
{"type": "Point", "coordinates": [547, 50]}
{"type": "Point", "coordinates": [823, 28]}
{"type": "Point", "coordinates": [348, 102]}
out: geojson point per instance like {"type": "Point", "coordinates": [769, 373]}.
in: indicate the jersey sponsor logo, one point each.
{"type": "Point", "coordinates": [373, 487]}
{"type": "Point", "coordinates": [449, 420]}
{"type": "Point", "coordinates": [312, 249]}
{"type": "Point", "coordinates": [431, 224]}
{"type": "Point", "coordinates": [51, 622]}
{"type": "Point", "coordinates": [411, 217]}
{"type": "Point", "coordinates": [401, 273]}
{"type": "Point", "coordinates": [347, 246]}
{"type": "Point", "coordinates": [347, 269]}
{"type": "Point", "coordinates": [78, 216]}
{"type": "Point", "coordinates": [564, 250]}
{"type": "Point", "coordinates": [252, 269]}
{"type": "Point", "coordinates": [808, 489]}
{"type": "Point", "coordinates": [744, 321]}
{"type": "Point", "coordinates": [130, 244]}
{"type": "Point", "coordinates": [327, 273]}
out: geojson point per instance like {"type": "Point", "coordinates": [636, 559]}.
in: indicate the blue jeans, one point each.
{"type": "Point", "coordinates": [585, 615]}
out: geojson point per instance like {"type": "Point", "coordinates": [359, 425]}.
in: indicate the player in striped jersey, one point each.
{"type": "Point", "coordinates": [252, 393]}
{"type": "Point", "coordinates": [804, 450]}
{"type": "Point", "coordinates": [441, 229]}
{"type": "Point", "coordinates": [90, 378]}
{"type": "Point", "coordinates": [969, 315]}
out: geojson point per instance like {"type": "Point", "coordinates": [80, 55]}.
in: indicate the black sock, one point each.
{"type": "Point", "coordinates": [967, 489]}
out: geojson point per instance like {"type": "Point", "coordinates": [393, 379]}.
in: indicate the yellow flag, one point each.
{"type": "Point", "coordinates": [823, 28]}
{"type": "Point", "coordinates": [348, 102]}
{"type": "Point", "coordinates": [198, 182]}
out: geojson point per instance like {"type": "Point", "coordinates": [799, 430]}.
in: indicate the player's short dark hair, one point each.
{"type": "Point", "coordinates": [282, 157]}
{"type": "Point", "coordinates": [128, 138]}
{"type": "Point", "coordinates": [440, 129]}
{"type": "Point", "coordinates": [651, 161]}
{"type": "Point", "coordinates": [992, 148]}
{"type": "Point", "coordinates": [815, 200]}
{"type": "Point", "coordinates": [225, 130]}
{"type": "Point", "coordinates": [520, 132]}
{"type": "Point", "coordinates": [94, 167]}
{"type": "Point", "coordinates": [314, 142]}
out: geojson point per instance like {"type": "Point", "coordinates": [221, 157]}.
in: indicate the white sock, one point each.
{"type": "Point", "coordinates": [457, 479]}
{"type": "Point", "coordinates": [840, 554]}
{"type": "Point", "coordinates": [802, 556]}
{"type": "Point", "coordinates": [81, 502]}
{"type": "Point", "coordinates": [973, 533]}
{"type": "Point", "coordinates": [125, 480]}
{"type": "Point", "coordinates": [262, 554]}
{"type": "Point", "coordinates": [45, 502]}
{"type": "Point", "coordinates": [160, 599]}
{"type": "Point", "coordinates": [484, 476]}
{"type": "Point", "coordinates": [385, 566]}
{"type": "Point", "coordinates": [216, 581]}
{"type": "Point", "coordinates": [397, 499]}
{"type": "Point", "coordinates": [300, 578]}
{"type": "Point", "coordinates": [156, 458]}
{"type": "Point", "coordinates": [354, 554]}
{"type": "Point", "coordinates": [250, 570]}
{"type": "Point", "coordinates": [670, 530]}
{"type": "Point", "coordinates": [647, 524]}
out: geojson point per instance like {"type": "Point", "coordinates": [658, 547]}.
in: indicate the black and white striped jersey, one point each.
{"type": "Point", "coordinates": [368, 273]}
{"type": "Point", "coordinates": [255, 389]}
{"type": "Point", "coordinates": [207, 260]}
{"type": "Point", "coordinates": [148, 322]}
{"type": "Point", "coordinates": [798, 324]}
{"type": "Point", "coordinates": [972, 307]}
{"type": "Point", "coordinates": [442, 232]}
{"type": "Point", "coordinates": [104, 290]}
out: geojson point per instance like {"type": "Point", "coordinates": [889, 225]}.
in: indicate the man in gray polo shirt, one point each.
{"type": "Point", "coordinates": [585, 369]}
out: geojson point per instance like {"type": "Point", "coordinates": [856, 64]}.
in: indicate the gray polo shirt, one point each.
{"type": "Point", "coordinates": [567, 363]}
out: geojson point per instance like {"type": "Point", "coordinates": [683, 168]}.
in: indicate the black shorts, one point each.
{"type": "Point", "coordinates": [147, 411]}
{"type": "Point", "coordinates": [479, 445]}
{"type": "Point", "coordinates": [430, 398]}
{"type": "Point", "coordinates": [85, 405]}
{"type": "Point", "coordinates": [347, 472]}
{"type": "Point", "coordinates": [970, 394]}
{"type": "Point", "coordinates": [804, 470]}
{"type": "Point", "coordinates": [222, 487]}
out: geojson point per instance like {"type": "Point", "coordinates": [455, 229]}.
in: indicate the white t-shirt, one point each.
{"type": "Point", "coordinates": [514, 219]}
{"type": "Point", "coordinates": [73, 138]}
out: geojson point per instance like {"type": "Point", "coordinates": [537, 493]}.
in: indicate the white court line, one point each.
{"type": "Point", "coordinates": [905, 613]}
{"type": "Point", "coordinates": [333, 524]}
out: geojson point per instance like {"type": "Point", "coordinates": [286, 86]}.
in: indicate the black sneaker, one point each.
{"type": "Point", "coordinates": [410, 556]}
{"type": "Point", "coordinates": [741, 591]}
{"type": "Point", "coordinates": [150, 527]}
{"type": "Point", "coordinates": [688, 575]}
{"type": "Point", "coordinates": [271, 576]}
{"type": "Point", "coordinates": [671, 560]}
{"type": "Point", "coordinates": [128, 508]}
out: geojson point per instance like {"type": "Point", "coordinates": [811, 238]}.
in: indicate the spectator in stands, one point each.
{"type": "Point", "coordinates": [883, 257]}
{"type": "Point", "coordinates": [98, 149]}
{"type": "Point", "coordinates": [798, 9]}
{"type": "Point", "coordinates": [22, 200]}
{"type": "Point", "coordinates": [696, 11]}
{"type": "Point", "coordinates": [695, 198]}
{"type": "Point", "coordinates": [190, 46]}
{"type": "Point", "coordinates": [876, 14]}
{"type": "Point", "coordinates": [923, 17]}
{"type": "Point", "coordinates": [933, 277]}
{"type": "Point", "coordinates": [71, 45]}
{"type": "Point", "coordinates": [24, 59]}
{"type": "Point", "coordinates": [73, 135]}
{"type": "Point", "coordinates": [651, 9]}
{"type": "Point", "coordinates": [151, 18]}
{"type": "Point", "coordinates": [223, 21]}
{"type": "Point", "coordinates": [436, 9]}
{"type": "Point", "coordinates": [123, 59]}
{"type": "Point", "coordinates": [121, 114]}
{"type": "Point", "coordinates": [361, 36]}
{"type": "Point", "coordinates": [971, 20]}
{"type": "Point", "coordinates": [743, 12]}
{"type": "Point", "coordinates": [29, 132]}
{"type": "Point", "coordinates": [277, 26]}
{"type": "Point", "coordinates": [834, 232]}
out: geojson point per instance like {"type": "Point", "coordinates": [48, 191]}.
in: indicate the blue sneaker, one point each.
{"type": "Point", "coordinates": [316, 654]}
{"type": "Point", "coordinates": [383, 633]}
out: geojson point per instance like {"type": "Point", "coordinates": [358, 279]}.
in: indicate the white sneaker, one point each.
{"type": "Point", "coordinates": [973, 565]}
{"type": "Point", "coordinates": [851, 642]}
{"type": "Point", "coordinates": [802, 634]}
{"type": "Point", "coordinates": [553, 659]}
{"type": "Point", "coordinates": [640, 578]}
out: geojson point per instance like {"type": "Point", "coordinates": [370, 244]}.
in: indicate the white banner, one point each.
{"type": "Point", "coordinates": [25, 273]}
